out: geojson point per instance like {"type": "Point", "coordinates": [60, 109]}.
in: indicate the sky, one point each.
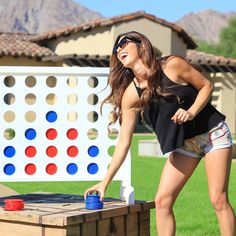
{"type": "Point", "coordinates": [168, 10]}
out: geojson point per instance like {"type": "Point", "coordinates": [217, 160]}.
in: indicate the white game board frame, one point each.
{"type": "Point", "coordinates": [18, 159]}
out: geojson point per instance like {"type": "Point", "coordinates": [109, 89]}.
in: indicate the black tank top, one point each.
{"type": "Point", "coordinates": [159, 111]}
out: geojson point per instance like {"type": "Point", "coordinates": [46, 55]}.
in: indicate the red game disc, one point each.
{"type": "Point", "coordinates": [13, 204]}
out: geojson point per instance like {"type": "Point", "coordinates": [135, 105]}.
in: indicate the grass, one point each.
{"type": "Point", "coordinates": [193, 211]}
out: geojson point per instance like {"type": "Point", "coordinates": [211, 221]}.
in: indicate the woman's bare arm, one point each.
{"type": "Point", "coordinates": [183, 72]}
{"type": "Point", "coordinates": [129, 102]}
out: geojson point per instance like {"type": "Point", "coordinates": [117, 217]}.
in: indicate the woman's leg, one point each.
{"type": "Point", "coordinates": [177, 170]}
{"type": "Point", "coordinates": [218, 165]}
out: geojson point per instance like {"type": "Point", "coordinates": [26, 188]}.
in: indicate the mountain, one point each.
{"type": "Point", "coordinates": [205, 25]}
{"type": "Point", "coordinates": [37, 16]}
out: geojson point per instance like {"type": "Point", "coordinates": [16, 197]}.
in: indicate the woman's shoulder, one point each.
{"type": "Point", "coordinates": [130, 97]}
{"type": "Point", "coordinates": [172, 60]}
{"type": "Point", "coordinates": [174, 63]}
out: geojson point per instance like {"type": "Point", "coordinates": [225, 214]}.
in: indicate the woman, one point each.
{"type": "Point", "coordinates": [174, 97]}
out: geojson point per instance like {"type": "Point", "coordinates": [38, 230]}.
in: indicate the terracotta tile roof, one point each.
{"type": "Point", "coordinates": [211, 63]}
{"type": "Point", "coordinates": [209, 59]}
{"type": "Point", "coordinates": [19, 44]}
{"type": "Point", "coordinates": [115, 20]}
{"type": "Point", "coordinates": [207, 62]}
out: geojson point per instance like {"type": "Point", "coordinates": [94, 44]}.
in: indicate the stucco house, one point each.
{"type": "Point", "coordinates": [91, 44]}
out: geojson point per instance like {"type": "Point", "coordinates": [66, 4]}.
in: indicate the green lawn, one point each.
{"type": "Point", "coordinates": [194, 214]}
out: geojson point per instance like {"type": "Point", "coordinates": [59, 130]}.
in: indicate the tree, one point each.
{"type": "Point", "coordinates": [226, 46]}
{"type": "Point", "coordinates": [207, 47]}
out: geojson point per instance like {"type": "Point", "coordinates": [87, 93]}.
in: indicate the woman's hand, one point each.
{"type": "Point", "coordinates": [182, 116]}
{"type": "Point", "coordinates": [98, 188]}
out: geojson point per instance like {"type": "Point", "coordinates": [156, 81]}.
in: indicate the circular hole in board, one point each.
{"type": "Point", "coordinates": [51, 81]}
{"type": "Point", "coordinates": [9, 81]}
{"type": "Point", "coordinates": [51, 99]}
{"type": "Point", "coordinates": [92, 99]}
{"type": "Point", "coordinates": [92, 133]}
{"type": "Point", "coordinates": [30, 116]}
{"type": "Point", "coordinates": [9, 116]}
{"type": "Point", "coordinates": [30, 98]}
{"type": "Point", "coordinates": [92, 116]}
{"type": "Point", "coordinates": [72, 81]}
{"type": "Point", "coordinates": [30, 81]}
{"type": "Point", "coordinates": [93, 82]}
{"type": "Point", "coordinates": [72, 116]}
{"type": "Point", "coordinates": [9, 99]}
{"type": "Point", "coordinates": [9, 134]}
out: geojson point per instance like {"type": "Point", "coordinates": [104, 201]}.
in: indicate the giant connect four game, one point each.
{"type": "Point", "coordinates": [51, 126]}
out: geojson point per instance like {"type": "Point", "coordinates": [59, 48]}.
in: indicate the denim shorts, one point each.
{"type": "Point", "coordinates": [217, 138]}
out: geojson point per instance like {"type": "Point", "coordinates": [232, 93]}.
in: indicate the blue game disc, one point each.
{"type": "Point", "coordinates": [9, 169]}
{"type": "Point", "coordinates": [51, 116]}
{"type": "Point", "coordinates": [93, 202]}
{"type": "Point", "coordinates": [72, 168]}
{"type": "Point", "coordinates": [9, 151]}
{"type": "Point", "coordinates": [92, 168]}
{"type": "Point", "coordinates": [93, 151]}
{"type": "Point", "coordinates": [30, 134]}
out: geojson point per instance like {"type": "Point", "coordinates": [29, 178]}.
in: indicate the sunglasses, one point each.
{"type": "Point", "coordinates": [123, 42]}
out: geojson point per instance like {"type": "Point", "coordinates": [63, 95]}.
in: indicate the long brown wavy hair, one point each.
{"type": "Point", "coordinates": [120, 77]}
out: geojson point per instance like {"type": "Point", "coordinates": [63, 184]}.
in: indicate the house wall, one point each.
{"type": "Point", "coordinates": [100, 40]}
{"type": "Point", "coordinates": [224, 96]}
{"type": "Point", "coordinates": [160, 36]}
{"type": "Point", "coordinates": [178, 47]}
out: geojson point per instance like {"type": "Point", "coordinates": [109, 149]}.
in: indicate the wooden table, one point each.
{"type": "Point", "coordinates": [65, 215]}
